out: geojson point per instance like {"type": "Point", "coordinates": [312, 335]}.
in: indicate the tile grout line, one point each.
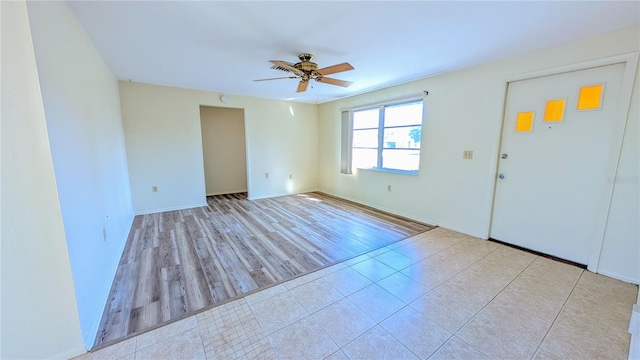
{"type": "Point", "coordinates": [359, 308]}
{"type": "Point", "coordinates": [564, 304]}
{"type": "Point", "coordinates": [493, 298]}
{"type": "Point", "coordinates": [403, 307]}
{"type": "Point", "coordinates": [454, 334]}
{"type": "Point", "coordinates": [538, 346]}
{"type": "Point", "coordinates": [204, 351]}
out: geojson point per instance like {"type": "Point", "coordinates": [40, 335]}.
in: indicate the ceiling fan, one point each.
{"type": "Point", "coordinates": [306, 70]}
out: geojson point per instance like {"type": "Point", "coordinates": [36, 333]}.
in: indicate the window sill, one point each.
{"type": "Point", "coordinates": [393, 171]}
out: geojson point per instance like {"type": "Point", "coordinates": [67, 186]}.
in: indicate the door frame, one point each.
{"type": "Point", "coordinates": [631, 64]}
{"type": "Point", "coordinates": [246, 146]}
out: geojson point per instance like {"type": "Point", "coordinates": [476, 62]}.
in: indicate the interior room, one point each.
{"type": "Point", "coordinates": [320, 180]}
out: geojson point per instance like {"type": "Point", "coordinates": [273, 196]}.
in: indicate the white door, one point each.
{"type": "Point", "coordinates": [555, 175]}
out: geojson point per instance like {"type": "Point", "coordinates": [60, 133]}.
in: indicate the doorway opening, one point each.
{"type": "Point", "coordinates": [224, 150]}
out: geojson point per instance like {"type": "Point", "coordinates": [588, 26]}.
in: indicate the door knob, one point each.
{"type": "Point", "coordinates": [504, 155]}
{"type": "Point", "coordinates": [501, 176]}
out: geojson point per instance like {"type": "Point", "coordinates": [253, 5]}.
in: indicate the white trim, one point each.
{"type": "Point", "coordinates": [390, 101]}
{"type": "Point", "coordinates": [408, 216]}
{"type": "Point", "coordinates": [493, 170]}
{"type": "Point", "coordinates": [462, 231]}
{"type": "Point", "coordinates": [624, 103]}
{"type": "Point", "coordinates": [173, 208]}
{"type": "Point", "coordinates": [626, 58]}
{"type": "Point", "coordinates": [382, 208]}
{"type": "Point", "coordinates": [227, 192]}
{"type": "Point", "coordinates": [70, 354]}
{"type": "Point", "coordinates": [92, 332]}
{"type": "Point", "coordinates": [380, 148]}
{"type": "Point", "coordinates": [631, 64]}
{"type": "Point", "coordinates": [391, 171]}
{"type": "Point", "coordinates": [619, 277]}
{"type": "Point", "coordinates": [634, 347]}
{"type": "Point", "coordinates": [247, 150]}
{"type": "Point", "coordinates": [266, 196]}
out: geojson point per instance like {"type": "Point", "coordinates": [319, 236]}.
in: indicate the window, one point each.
{"type": "Point", "coordinates": [388, 137]}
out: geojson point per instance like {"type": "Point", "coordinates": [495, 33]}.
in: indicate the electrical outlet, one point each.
{"type": "Point", "coordinates": [154, 189]}
{"type": "Point", "coordinates": [388, 187]}
{"type": "Point", "coordinates": [467, 154]}
{"type": "Point", "coordinates": [266, 175]}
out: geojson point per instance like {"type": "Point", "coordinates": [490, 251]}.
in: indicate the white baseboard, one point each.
{"type": "Point", "coordinates": [634, 348]}
{"type": "Point", "coordinates": [634, 330]}
{"type": "Point", "coordinates": [382, 208]}
{"type": "Point", "coordinates": [227, 192]}
{"type": "Point", "coordinates": [619, 277]}
{"type": "Point", "coordinates": [89, 337]}
{"type": "Point", "coordinates": [251, 197]}
{"type": "Point", "coordinates": [462, 231]}
{"type": "Point", "coordinates": [408, 216]}
{"type": "Point", "coordinates": [174, 208]}
{"type": "Point", "coordinates": [70, 354]}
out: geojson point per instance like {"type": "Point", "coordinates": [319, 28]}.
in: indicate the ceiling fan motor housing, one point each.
{"type": "Point", "coordinates": [307, 70]}
{"type": "Point", "coordinates": [307, 67]}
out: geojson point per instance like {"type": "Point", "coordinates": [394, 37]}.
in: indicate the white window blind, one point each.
{"type": "Point", "coordinates": [345, 146]}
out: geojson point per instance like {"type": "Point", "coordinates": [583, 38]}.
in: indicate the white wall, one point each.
{"type": "Point", "coordinates": [634, 330]}
{"type": "Point", "coordinates": [224, 150]}
{"type": "Point", "coordinates": [464, 112]}
{"type": "Point", "coordinates": [164, 145]}
{"type": "Point", "coordinates": [621, 250]}
{"type": "Point", "coordinates": [39, 314]}
{"type": "Point", "coordinates": [82, 109]}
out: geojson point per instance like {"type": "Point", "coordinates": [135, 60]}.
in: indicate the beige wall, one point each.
{"type": "Point", "coordinates": [164, 145]}
{"type": "Point", "coordinates": [39, 315]}
{"type": "Point", "coordinates": [223, 149]}
{"type": "Point", "coordinates": [464, 112]}
{"type": "Point", "coordinates": [84, 121]}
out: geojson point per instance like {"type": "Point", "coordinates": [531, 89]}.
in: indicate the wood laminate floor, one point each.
{"type": "Point", "coordinates": [179, 262]}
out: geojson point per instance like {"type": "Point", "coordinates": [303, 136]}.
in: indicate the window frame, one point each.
{"type": "Point", "coordinates": [381, 131]}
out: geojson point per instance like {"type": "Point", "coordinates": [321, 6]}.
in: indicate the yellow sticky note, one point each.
{"type": "Point", "coordinates": [524, 121]}
{"type": "Point", "coordinates": [590, 97]}
{"type": "Point", "coordinates": [554, 110]}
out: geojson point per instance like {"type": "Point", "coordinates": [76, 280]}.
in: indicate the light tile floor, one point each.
{"type": "Point", "coordinates": [438, 295]}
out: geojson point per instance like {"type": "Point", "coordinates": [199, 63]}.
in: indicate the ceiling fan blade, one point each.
{"type": "Point", "coordinates": [302, 86]}
{"type": "Point", "coordinates": [337, 82]}
{"type": "Point", "coordinates": [278, 78]}
{"type": "Point", "coordinates": [286, 66]}
{"type": "Point", "coordinates": [335, 69]}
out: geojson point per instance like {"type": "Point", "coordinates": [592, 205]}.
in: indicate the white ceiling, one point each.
{"type": "Point", "coordinates": [223, 46]}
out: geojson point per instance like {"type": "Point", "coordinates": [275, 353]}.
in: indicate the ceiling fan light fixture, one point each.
{"type": "Point", "coordinates": [306, 70]}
